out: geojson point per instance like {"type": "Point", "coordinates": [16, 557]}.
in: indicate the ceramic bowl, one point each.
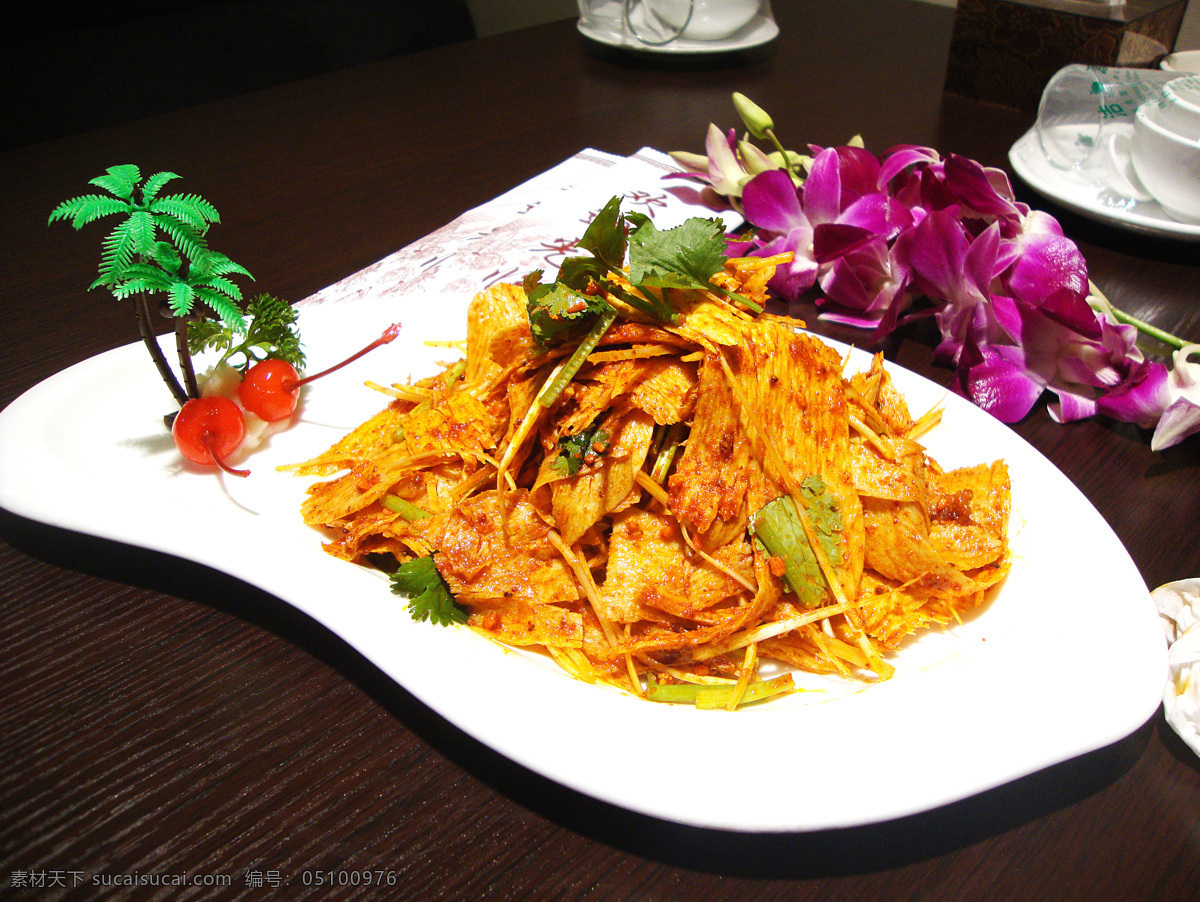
{"type": "Point", "coordinates": [1168, 165]}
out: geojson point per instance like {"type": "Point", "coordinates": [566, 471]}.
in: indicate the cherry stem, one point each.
{"type": "Point", "coordinates": [207, 439]}
{"type": "Point", "coordinates": [389, 334]}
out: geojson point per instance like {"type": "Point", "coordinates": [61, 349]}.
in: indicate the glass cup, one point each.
{"type": "Point", "coordinates": [1086, 107]}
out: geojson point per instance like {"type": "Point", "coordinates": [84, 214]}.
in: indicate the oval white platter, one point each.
{"type": "Point", "coordinates": [1067, 658]}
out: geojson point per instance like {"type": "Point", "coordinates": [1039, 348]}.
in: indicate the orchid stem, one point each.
{"type": "Point", "coordinates": [1144, 327]}
{"type": "Point", "coordinates": [787, 160]}
{"type": "Point", "coordinates": [1153, 331]}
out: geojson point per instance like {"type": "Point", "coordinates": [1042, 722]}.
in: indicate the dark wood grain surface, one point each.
{"type": "Point", "coordinates": [159, 718]}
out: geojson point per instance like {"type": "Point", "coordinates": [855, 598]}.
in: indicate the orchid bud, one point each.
{"type": "Point", "coordinates": [754, 160]}
{"type": "Point", "coordinates": [755, 117]}
{"type": "Point", "coordinates": [694, 161]}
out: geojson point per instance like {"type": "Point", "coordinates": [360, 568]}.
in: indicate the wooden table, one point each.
{"type": "Point", "coordinates": [160, 718]}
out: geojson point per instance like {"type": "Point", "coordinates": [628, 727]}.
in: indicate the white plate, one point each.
{"type": "Point", "coordinates": [1084, 197]}
{"type": "Point", "coordinates": [760, 30]}
{"type": "Point", "coordinates": [1067, 658]}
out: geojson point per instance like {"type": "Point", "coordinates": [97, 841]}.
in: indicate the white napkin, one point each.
{"type": "Point", "coordinates": [533, 226]}
{"type": "Point", "coordinates": [1178, 606]}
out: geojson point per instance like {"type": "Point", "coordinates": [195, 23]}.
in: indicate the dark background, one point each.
{"type": "Point", "coordinates": [68, 68]}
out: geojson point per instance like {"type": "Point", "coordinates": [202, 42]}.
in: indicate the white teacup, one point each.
{"type": "Point", "coordinates": [704, 20]}
{"type": "Point", "coordinates": [661, 23]}
{"type": "Point", "coordinates": [1180, 110]}
{"type": "Point", "coordinates": [1168, 165]}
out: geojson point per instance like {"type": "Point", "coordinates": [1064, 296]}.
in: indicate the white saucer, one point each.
{"type": "Point", "coordinates": [758, 31]}
{"type": "Point", "coordinates": [1075, 193]}
{"type": "Point", "coordinates": [1183, 61]}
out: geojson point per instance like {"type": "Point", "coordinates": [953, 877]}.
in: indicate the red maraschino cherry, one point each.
{"type": "Point", "coordinates": [208, 430]}
{"type": "Point", "coordinates": [271, 387]}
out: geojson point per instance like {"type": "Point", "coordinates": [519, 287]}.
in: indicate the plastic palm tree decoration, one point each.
{"type": "Point", "coordinates": [159, 248]}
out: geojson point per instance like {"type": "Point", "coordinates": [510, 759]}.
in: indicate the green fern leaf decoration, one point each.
{"type": "Point", "coordinates": [120, 181]}
{"type": "Point", "coordinates": [117, 254]}
{"type": "Point", "coordinates": [90, 207]}
{"type": "Point", "coordinates": [155, 183]}
{"type": "Point", "coordinates": [185, 210]}
{"type": "Point", "coordinates": [224, 286]}
{"type": "Point", "coordinates": [196, 204]}
{"type": "Point", "coordinates": [166, 256]}
{"type": "Point", "coordinates": [224, 308]}
{"type": "Point", "coordinates": [101, 207]}
{"type": "Point", "coordinates": [142, 228]}
{"type": "Point", "coordinates": [180, 298]}
{"type": "Point", "coordinates": [220, 265]}
{"type": "Point", "coordinates": [190, 242]}
{"type": "Point", "coordinates": [130, 288]}
{"type": "Point", "coordinates": [142, 277]}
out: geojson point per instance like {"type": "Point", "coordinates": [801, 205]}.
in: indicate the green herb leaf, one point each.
{"type": "Point", "coordinates": [605, 238]}
{"type": "Point", "coordinates": [825, 516]}
{"type": "Point", "coordinates": [429, 595]}
{"type": "Point", "coordinates": [583, 447]}
{"type": "Point", "coordinates": [686, 257]}
{"type": "Point", "coordinates": [559, 310]}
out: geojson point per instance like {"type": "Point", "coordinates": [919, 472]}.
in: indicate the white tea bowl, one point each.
{"type": "Point", "coordinates": [1168, 165]}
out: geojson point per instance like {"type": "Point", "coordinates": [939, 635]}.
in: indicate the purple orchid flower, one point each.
{"type": "Point", "coordinates": [865, 285]}
{"type": "Point", "coordinates": [997, 378]}
{"type": "Point", "coordinates": [1044, 262]}
{"type": "Point", "coordinates": [1089, 362]}
{"type": "Point", "coordinates": [1182, 416]}
{"type": "Point", "coordinates": [838, 223]}
{"type": "Point", "coordinates": [771, 202]}
{"type": "Point", "coordinates": [1009, 291]}
{"type": "Point", "coordinates": [726, 166]}
{"type": "Point", "coordinates": [948, 266]}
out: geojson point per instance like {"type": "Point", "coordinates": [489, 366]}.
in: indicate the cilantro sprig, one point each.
{"type": "Point", "coordinates": [557, 310]}
{"type": "Point", "coordinates": [685, 257]}
{"type": "Point", "coordinates": [575, 304]}
{"type": "Point", "coordinates": [428, 593]}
